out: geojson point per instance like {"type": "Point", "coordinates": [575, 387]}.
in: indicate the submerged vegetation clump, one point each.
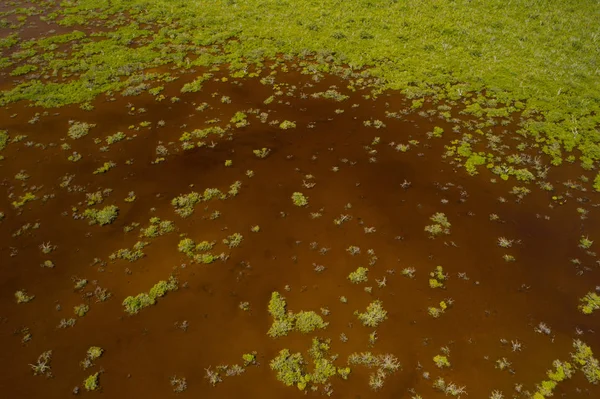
{"type": "Point", "coordinates": [299, 199]}
{"type": "Point", "coordinates": [93, 353]}
{"type": "Point", "coordinates": [584, 359]}
{"type": "Point", "coordinates": [292, 369]}
{"type": "Point", "coordinates": [4, 137]}
{"type": "Point", "coordinates": [199, 252]}
{"type": "Point", "coordinates": [104, 216]}
{"type": "Point", "coordinates": [133, 254]}
{"type": "Point", "coordinates": [561, 372]}
{"type": "Point", "coordinates": [157, 227]}
{"type": "Point", "coordinates": [374, 315]}
{"type": "Point", "coordinates": [22, 297]}
{"type": "Point", "coordinates": [285, 321]}
{"type": "Point", "coordinates": [359, 275]}
{"type": "Point", "coordinates": [385, 365]}
{"type": "Point", "coordinates": [590, 303]}
{"type": "Point", "coordinates": [184, 204]}
{"type": "Point", "coordinates": [440, 226]}
{"type": "Point", "coordinates": [78, 130]}
{"type": "Point", "coordinates": [91, 383]}
{"type": "Point", "coordinates": [134, 304]}
{"type": "Point", "coordinates": [437, 277]}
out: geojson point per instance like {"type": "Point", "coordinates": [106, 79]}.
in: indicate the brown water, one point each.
{"type": "Point", "coordinates": [500, 300]}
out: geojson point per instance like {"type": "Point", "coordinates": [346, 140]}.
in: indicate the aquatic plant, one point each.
{"type": "Point", "coordinates": [308, 321]}
{"type": "Point", "coordinates": [4, 138]}
{"type": "Point", "coordinates": [561, 372]}
{"type": "Point", "coordinates": [262, 153]}
{"type": "Point", "coordinates": [233, 240]}
{"type": "Point", "coordinates": [374, 315]}
{"type": "Point", "coordinates": [440, 226]}
{"type": "Point", "coordinates": [105, 167]}
{"type": "Point", "coordinates": [285, 321]}
{"type": "Point", "coordinates": [104, 216]}
{"type": "Point", "coordinates": [441, 361]}
{"type": "Point", "coordinates": [287, 125]}
{"type": "Point", "coordinates": [385, 365]}
{"type": "Point", "coordinates": [239, 119]}
{"type": "Point", "coordinates": [131, 255]}
{"type": "Point", "coordinates": [249, 358]}
{"type": "Point", "coordinates": [27, 197]}
{"type": "Point", "coordinates": [22, 297]}
{"type": "Point", "coordinates": [134, 304]}
{"type": "Point", "coordinates": [81, 310]}
{"type": "Point", "coordinates": [93, 353]}
{"type": "Point", "coordinates": [42, 366]}
{"type": "Point", "coordinates": [590, 303]}
{"type": "Point", "coordinates": [359, 275]}
{"type": "Point", "coordinates": [437, 312]}
{"type": "Point", "coordinates": [115, 138]}
{"type": "Point", "coordinates": [299, 199]}
{"type": "Point", "coordinates": [179, 384]}
{"type": "Point", "coordinates": [505, 242]}
{"type": "Point", "coordinates": [437, 277]}
{"type": "Point", "coordinates": [91, 383]}
{"type": "Point", "coordinates": [290, 369]}
{"type": "Point", "coordinates": [449, 388]}
{"type": "Point", "coordinates": [78, 130]}
{"type": "Point", "coordinates": [157, 228]}
{"type": "Point", "coordinates": [584, 359]}
{"type": "Point", "coordinates": [585, 242]}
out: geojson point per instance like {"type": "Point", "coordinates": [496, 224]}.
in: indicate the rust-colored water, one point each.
{"type": "Point", "coordinates": [500, 300]}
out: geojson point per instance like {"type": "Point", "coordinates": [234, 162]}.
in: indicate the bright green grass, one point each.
{"type": "Point", "coordinates": [539, 57]}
